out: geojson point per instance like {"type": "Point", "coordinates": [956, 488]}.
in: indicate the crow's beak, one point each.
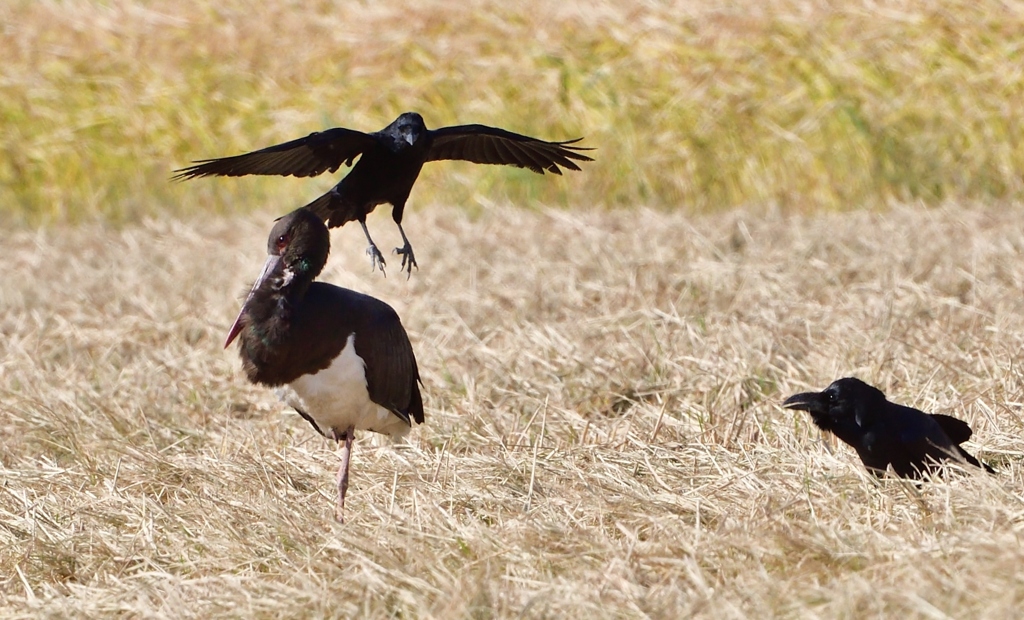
{"type": "Point", "coordinates": [236, 327]}
{"type": "Point", "coordinates": [813, 402]}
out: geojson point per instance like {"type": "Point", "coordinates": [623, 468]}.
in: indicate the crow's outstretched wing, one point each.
{"type": "Point", "coordinates": [318, 152]}
{"type": "Point", "coordinates": [489, 145]}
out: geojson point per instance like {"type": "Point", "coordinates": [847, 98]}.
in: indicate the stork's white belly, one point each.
{"type": "Point", "coordinates": [336, 397]}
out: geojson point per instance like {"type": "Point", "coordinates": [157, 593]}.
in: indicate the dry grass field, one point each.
{"type": "Point", "coordinates": [603, 435]}
{"type": "Point", "coordinates": [603, 355]}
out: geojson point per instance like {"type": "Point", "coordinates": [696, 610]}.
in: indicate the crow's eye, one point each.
{"type": "Point", "coordinates": [831, 397]}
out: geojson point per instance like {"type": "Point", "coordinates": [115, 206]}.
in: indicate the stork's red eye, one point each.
{"type": "Point", "coordinates": [282, 242]}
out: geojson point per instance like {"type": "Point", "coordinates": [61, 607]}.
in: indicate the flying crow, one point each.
{"type": "Point", "coordinates": [389, 162]}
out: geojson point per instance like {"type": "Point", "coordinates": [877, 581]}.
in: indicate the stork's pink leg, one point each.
{"type": "Point", "coordinates": [346, 454]}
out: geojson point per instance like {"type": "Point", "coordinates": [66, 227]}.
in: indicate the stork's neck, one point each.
{"type": "Point", "coordinates": [273, 303]}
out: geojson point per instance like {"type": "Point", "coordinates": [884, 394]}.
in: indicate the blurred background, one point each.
{"type": "Point", "coordinates": [692, 105]}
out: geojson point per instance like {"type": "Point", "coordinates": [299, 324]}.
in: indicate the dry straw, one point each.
{"type": "Point", "coordinates": [603, 432]}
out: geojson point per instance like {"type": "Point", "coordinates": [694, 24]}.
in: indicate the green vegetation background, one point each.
{"type": "Point", "coordinates": [692, 105]}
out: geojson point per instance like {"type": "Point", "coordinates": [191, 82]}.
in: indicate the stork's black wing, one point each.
{"type": "Point", "coordinates": [392, 380]}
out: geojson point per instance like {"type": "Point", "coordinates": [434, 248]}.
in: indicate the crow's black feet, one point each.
{"type": "Point", "coordinates": [408, 259]}
{"type": "Point", "coordinates": [377, 258]}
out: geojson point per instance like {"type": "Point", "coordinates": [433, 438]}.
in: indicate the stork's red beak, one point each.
{"type": "Point", "coordinates": [236, 327]}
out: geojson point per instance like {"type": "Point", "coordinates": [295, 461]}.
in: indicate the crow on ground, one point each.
{"type": "Point", "coordinates": [886, 434]}
{"type": "Point", "coordinates": [389, 162]}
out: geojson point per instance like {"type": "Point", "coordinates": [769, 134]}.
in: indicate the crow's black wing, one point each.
{"type": "Point", "coordinates": [305, 157]}
{"type": "Point", "coordinates": [489, 145]}
{"type": "Point", "coordinates": [957, 430]}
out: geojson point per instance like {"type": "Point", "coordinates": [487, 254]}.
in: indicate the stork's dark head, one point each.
{"type": "Point", "coordinates": [296, 254]}
{"type": "Point", "coordinates": [300, 242]}
{"type": "Point", "coordinates": [845, 401]}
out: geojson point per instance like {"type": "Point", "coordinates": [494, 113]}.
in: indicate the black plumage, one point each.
{"type": "Point", "coordinates": [389, 163]}
{"type": "Point", "coordinates": [345, 355]}
{"type": "Point", "coordinates": [885, 434]}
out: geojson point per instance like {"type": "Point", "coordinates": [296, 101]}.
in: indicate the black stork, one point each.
{"type": "Point", "coordinates": [345, 355]}
{"type": "Point", "coordinates": [389, 163]}
{"type": "Point", "coordinates": [885, 434]}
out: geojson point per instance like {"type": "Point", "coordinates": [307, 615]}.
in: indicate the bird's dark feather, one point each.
{"type": "Point", "coordinates": [288, 335]}
{"type": "Point", "coordinates": [957, 430]}
{"type": "Point", "coordinates": [389, 163]}
{"type": "Point", "coordinates": [319, 152]}
{"type": "Point", "coordinates": [490, 145]}
{"type": "Point", "coordinates": [886, 434]}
